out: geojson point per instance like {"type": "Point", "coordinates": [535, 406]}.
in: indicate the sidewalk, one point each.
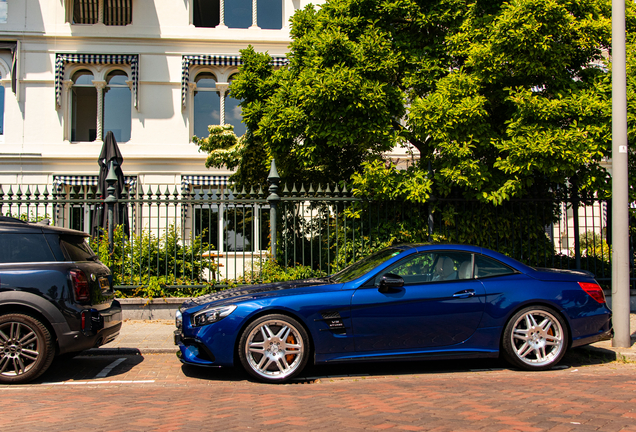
{"type": "Point", "coordinates": [141, 337]}
{"type": "Point", "coordinates": [156, 337]}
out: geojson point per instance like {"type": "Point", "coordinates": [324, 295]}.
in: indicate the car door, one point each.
{"type": "Point", "coordinates": [440, 304]}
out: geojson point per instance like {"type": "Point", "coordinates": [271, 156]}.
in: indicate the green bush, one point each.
{"type": "Point", "coordinates": [156, 266]}
{"type": "Point", "coordinates": [271, 271]}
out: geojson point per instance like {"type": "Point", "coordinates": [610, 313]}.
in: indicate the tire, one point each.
{"type": "Point", "coordinates": [535, 338]}
{"type": "Point", "coordinates": [274, 348]}
{"type": "Point", "coordinates": [26, 348]}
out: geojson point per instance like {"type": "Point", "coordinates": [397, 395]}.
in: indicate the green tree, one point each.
{"type": "Point", "coordinates": [501, 99]}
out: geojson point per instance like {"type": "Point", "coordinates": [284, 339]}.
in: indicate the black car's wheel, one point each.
{"type": "Point", "coordinates": [274, 348]}
{"type": "Point", "coordinates": [535, 338]}
{"type": "Point", "coordinates": [26, 348]}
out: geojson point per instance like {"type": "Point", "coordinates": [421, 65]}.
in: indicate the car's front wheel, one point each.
{"type": "Point", "coordinates": [26, 348]}
{"type": "Point", "coordinates": [274, 348]}
{"type": "Point", "coordinates": [535, 338]}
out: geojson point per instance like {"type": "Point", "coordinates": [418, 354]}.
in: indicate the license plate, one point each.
{"type": "Point", "coordinates": [103, 284]}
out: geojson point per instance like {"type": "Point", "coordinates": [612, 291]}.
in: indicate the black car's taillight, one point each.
{"type": "Point", "coordinates": [594, 291]}
{"type": "Point", "coordinates": [80, 285]}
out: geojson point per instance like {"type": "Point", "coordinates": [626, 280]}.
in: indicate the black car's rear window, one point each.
{"type": "Point", "coordinates": [24, 247]}
{"type": "Point", "coordinates": [77, 248]}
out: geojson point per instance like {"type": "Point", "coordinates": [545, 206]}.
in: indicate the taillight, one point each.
{"type": "Point", "coordinates": [594, 291]}
{"type": "Point", "coordinates": [80, 285]}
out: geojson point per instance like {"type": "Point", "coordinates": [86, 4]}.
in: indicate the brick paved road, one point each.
{"type": "Point", "coordinates": [154, 392]}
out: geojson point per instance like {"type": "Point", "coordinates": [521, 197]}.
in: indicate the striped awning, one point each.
{"type": "Point", "coordinates": [216, 60]}
{"type": "Point", "coordinates": [59, 181]}
{"type": "Point", "coordinates": [200, 180]}
{"type": "Point", "coordinates": [62, 59]}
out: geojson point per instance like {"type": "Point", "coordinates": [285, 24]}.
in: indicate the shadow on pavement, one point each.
{"type": "Point", "coordinates": [574, 358]}
{"type": "Point", "coordinates": [82, 368]}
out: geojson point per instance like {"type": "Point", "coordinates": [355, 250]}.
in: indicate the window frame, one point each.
{"type": "Point", "coordinates": [103, 13]}
{"type": "Point", "coordinates": [100, 73]}
{"type": "Point", "coordinates": [222, 25]}
{"type": "Point", "coordinates": [223, 76]}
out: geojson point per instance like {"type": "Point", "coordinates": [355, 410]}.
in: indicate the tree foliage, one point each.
{"type": "Point", "coordinates": [501, 99]}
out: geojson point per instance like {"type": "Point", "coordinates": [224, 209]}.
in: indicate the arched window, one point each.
{"type": "Point", "coordinates": [233, 113]}
{"type": "Point", "coordinates": [84, 107]}
{"type": "Point", "coordinates": [117, 102]}
{"type": "Point", "coordinates": [207, 104]}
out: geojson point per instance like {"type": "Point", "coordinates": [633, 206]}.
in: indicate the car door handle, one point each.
{"type": "Point", "coordinates": [464, 294]}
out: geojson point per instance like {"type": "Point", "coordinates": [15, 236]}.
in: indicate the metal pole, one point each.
{"type": "Point", "coordinates": [273, 178]}
{"type": "Point", "coordinates": [620, 212]}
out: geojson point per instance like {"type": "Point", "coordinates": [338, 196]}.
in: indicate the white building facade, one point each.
{"type": "Point", "coordinates": [155, 72]}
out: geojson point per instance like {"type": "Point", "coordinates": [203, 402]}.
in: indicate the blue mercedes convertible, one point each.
{"type": "Point", "coordinates": [408, 302]}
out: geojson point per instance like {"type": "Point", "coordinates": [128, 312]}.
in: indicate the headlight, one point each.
{"type": "Point", "coordinates": [212, 315]}
{"type": "Point", "coordinates": [178, 319]}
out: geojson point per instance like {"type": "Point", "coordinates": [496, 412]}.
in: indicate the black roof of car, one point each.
{"type": "Point", "coordinates": [14, 225]}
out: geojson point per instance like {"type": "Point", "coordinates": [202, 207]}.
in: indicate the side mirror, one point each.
{"type": "Point", "coordinates": [390, 282]}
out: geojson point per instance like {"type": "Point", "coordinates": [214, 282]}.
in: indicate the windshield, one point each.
{"type": "Point", "coordinates": [365, 265]}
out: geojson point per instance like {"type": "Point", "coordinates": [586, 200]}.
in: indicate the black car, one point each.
{"type": "Point", "coordinates": [56, 298]}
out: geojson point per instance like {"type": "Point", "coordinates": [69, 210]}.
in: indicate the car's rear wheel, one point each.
{"type": "Point", "coordinates": [274, 348]}
{"type": "Point", "coordinates": [535, 338]}
{"type": "Point", "coordinates": [26, 348]}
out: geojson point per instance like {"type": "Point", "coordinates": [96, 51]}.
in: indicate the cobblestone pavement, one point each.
{"type": "Point", "coordinates": [154, 392]}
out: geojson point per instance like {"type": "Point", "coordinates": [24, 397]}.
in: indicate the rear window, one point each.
{"type": "Point", "coordinates": [77, 248]}
{"type": "Point", "coordinates": [24, 247]}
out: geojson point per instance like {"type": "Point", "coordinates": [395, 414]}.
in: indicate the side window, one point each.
{"type": "Point", "coordinates": [486, 267]}
{"type": "Point", "coordinates": [233, 114]}
{"type": "Point", "coordinates": [117, 106]}
{"type": "Point", "coordinates": [115, 12]}
{"type": "Point", "coordinates": [206, 13]}
{"type": "Point", "coordinates": [238, 14]}
{"type": "Point", "coordinates": [84, 107]}
{"type": "Point", "coordinates": [90, 95]}
{"type": "Point", "coordinates": [77, 248]}
{"type": "Point", "coordinates": [207, 104]}
{"type": "Point", "coordinates": [432, 267]}
{"type": "Point", "coordinates": [21, 248]}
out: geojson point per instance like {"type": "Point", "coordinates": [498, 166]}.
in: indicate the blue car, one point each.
{"type": "Point", "coordinates": [408, 302]}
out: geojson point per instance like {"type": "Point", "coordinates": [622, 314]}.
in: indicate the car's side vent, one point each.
{"type": "Point", "coordinates": [334, 321]}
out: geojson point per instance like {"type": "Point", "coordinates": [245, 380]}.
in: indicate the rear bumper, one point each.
{"type": "Point", "coordinates": [100, 328]}
{"type": "Point", "coordinates": [606, 335]}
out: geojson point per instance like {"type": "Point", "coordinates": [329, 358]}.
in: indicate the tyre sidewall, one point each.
{"type": "Point", "coordinates": [45, 348]}
{"type": "Point", "coordinates": [509, 351]}
{"type": "Point", "coordinates": [257, 322]}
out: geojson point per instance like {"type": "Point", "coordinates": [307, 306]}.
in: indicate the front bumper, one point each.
{"type": "Point", "coordinates": [193, 351]}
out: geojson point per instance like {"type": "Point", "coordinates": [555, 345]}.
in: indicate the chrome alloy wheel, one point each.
{"type": "Point", "coordinates": [537, 338]}
{"type": "Point", "coordinates": [274, 349]}
{"type": "Point", "coordinates": [19, 348]}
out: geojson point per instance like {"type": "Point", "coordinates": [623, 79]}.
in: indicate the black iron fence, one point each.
{"type": "Point", "coordinates": [226, 234]}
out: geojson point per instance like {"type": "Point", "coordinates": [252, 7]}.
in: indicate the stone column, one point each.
{"type": "Point", "coordinates": [221, 15]}
{"type": "Point", "coordinates": [254, 25]}
{"type": "Point", "coordinates": [99, 87]}
{"type": "Point", "coordinates": [67, 87]}
{"type": "Point", "coordinates": [222, 89]}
